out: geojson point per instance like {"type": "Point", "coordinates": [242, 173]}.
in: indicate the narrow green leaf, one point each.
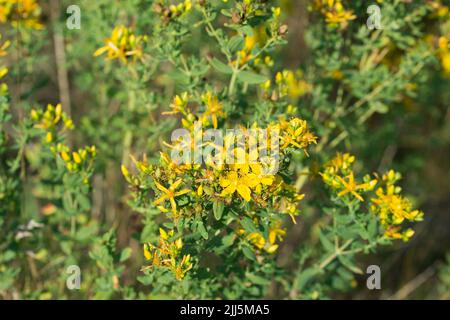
{"type": "Point", "coordinates": [126, 253]}
{"type": "Point", "coordinates": [201, 228]}
{"type": "Point", "coordinates": [248, 225]}
{"type": "Point", "coordinates": [251, 77]}
{"type": "Point", "coordinates": [228, 239]}
{"type": "Point", "coordinates": [218, 208]}
{"type": "Point", "coordinates": [235, 43]}
{"type": "Point", "coordinates": [349, 264]}
{"type": "Point", "coordinates": [326, 243]}
{"type": "Point", "coordinates": [220, 66]}
{"type": "Point", "coordinates": [248, 253]}
{"type": "Point", "coordinates": [305, 276]}
{"type": "Point", "coordinates": [373, 228]}
{"type": "Point", "coordinates": [256, 279]}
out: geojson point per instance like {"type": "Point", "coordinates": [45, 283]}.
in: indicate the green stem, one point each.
{"type": "Point", "coordinates": [339, 251]}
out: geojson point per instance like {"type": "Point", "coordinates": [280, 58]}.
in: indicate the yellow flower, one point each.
{"type": "Point", "coordinates": [178, 104]}
{"type": "Point", "coordinates": [65, 156]}
{"type": "Point", "coordinates": [390, 205]}
{"type": "Point", "coordinates": [49, 137]}
{"type": "Point", "coordinates": [245, 54]}
{"type": "Point", "coordinates": [289, 206]}
{"type": "Point", "coordinates": [393, 232]}
{"type": "Point", "coordinates": [125, 171]}
{"type": "Point", "coordinates": [342, 161]}
{"type": "Point", "coordinates": [3, 47]}
{"type": "Point", "coordinates": [170, 194]}
{"type": "Point", "coordinates": [233, 182]}
{"type": "Point", "coordinates": [184, 266]}
{"type": "Point", "coordinates": [289, 84]}
{"type": "Point", "coordinates": [444, 52]}
{"type": "Point", "coordinates": [257, 239]}
{"type": "Point", "coordinates": [334, 12]}
{"type": "Point", "coordinates": [393, 209]}
{"type": "Point", "coordinates": [21, 13]}
{"type": "Point", "coordinates": [166, 255]}
{"type": "Point", "coordinates": [257, 178]}
{"type": "Point", "coordinates": [213, 110]}
{"type": "Point", "coordinates": [122, 45]}
{"type": "Point", "coordinates": [147, 254]}
{"type": "Point", "coordinates": [269, 245]}
{"type": "Point", "coordinates": [276, 11]}
{"type": "Point", "coordinates": [350, 186]}
{"type": "Point", "coordinates": [259, 37]}
{"type": "Point", "coordinates": [51, 118]}
{"type": "Point", "coordinates": [296, 133]}
{"type": "Point", "coordinates": [76, 157]}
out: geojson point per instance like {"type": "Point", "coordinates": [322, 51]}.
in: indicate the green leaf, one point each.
{"type": "Point", "coordinates": [251, 77]}
{"type": "Point", "coordinates": [247, 30]}
{"type": "Point", "coordinates": [379, 107]}
{"type": "Point", "coordinates": [201, 228]}
{"type": "Point", "coordinates": [363, 233]}
{"type": "Point", "coordinates": [248, 253]}
{"type": "Point", "coordinates": [326, 243]}
{"type": "Point", "coordinates": [349, 264]}
{"type": "Point", "coordinates": [86, 232]}
{"type": "Point", "coordinates": [256, 279]}
{"type": "Point", "coordinates": [66, 247]}
{"type": "Point", "coordinates": [145, 280]}
{"type": "Point", "coordinates": [248, 225]}
{"type": "Point", "coordinates": [235, 43]}
{"type": "Point", "coordinates": [83, 202]}
{"type": "Point", "coordinates": [226, 12]}
{"type": "Point", "coordinates": [126, 253]}
{"type": "Point", "coordinates": [218, 208]}
{"type": "Point", "coordinates": [305, 276]}
{"type": "Point", "coordinates": [373, 228]}
{"type": "Point", "coordinates": [228, 239]}
{"type": "Point", "coordinates": [220, 66]}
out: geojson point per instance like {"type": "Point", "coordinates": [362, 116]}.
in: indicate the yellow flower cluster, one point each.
{"type": "Point", "coordinates": [213, 110]}
{"type": "Point", "coordinates": [295, 133]}
{"type": "Point", "coordinates": [440, 10]}
{"type": "Point", "coordinates": [265, 61]}
{"type": "Point", "coordinates": [287, 83]}
{"type": "Point", "coordinates": [243, 177]}
{"type": "Point", "coordinates": [338, 174]}
{"type": "Point", "coordinates": [188, 189]}
{"type": "Point", "coordinates": [54, 122]}
{"type": "Point", "coordinates": [334, 12]}
{"type": "Point", "coordinates": [76, 160]}
{"type": "Point", "coordinates": [268, 244]}
{"type": "Point", "coordinates": [387, 203]}
{"type": "Point", "coordinates": [248, 177]}
{"type": "Point", "coordinates": [167, 255]}
{"type": "Point", "coordinates": [50, 120]}
{"type": "Point", "coordinates": [123, 44]}
{"type": "Point", "coordinates": [21, 12]}
{"type": "Point", "coordinates": [393, 209]}
{"type": "Point", "coordinates": [171, 11]}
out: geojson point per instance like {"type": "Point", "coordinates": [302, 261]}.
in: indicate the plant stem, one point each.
{"type": "Point", "coordinates": [334, 255]}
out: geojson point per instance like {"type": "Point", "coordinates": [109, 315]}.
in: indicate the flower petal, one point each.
{"type": "Point", "coordinates": [244, 192]}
